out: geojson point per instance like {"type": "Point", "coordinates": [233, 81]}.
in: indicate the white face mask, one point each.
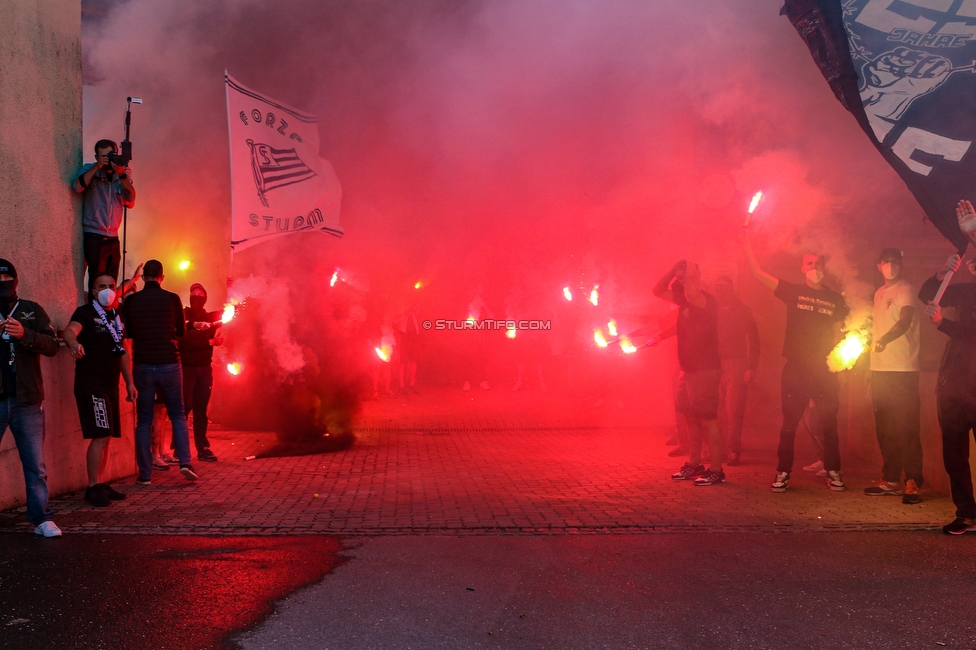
{"type": "Point", "coordinates": [814, 276]}
{"type": "Point", "coordinates": [106, 297]}
{"type": "Point", "coordinates": [888, 271]}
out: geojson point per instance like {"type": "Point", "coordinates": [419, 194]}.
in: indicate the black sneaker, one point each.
{"type": "Point", "coordinates": [959, 526]}
{"type": "Point", "coordinates": [112, 493]}
{"type": "Point", "coordinates": [711, 477]}
{"type": "Point", "coordinates": [679, 451]}
{"type": "Point", "coordinates": [188, 473]}
{"type": "Point", "coordinates": [781, 482]}
{"type": "Point", "coordinates": [143, 481]}
{"type": "Point", "coordinates": [95, 495]}
{"type": "Point", "coordinates": [688, 471]}
{"type": "Point", "coordinates": [207, 455]}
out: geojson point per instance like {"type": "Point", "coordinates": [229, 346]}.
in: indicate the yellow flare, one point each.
{"type": "Point", "coordinates": [510, 333]}
{"type": "Point", "coordinates": [417, 286]}
{"type": "Point", "coordinates": [335, 278]}
{"type": "Point", "coordinates": [612, 327]}
{"type": "Point", "coordinates": [567, 294]}
{"type": "Point", "coordinates": [756, 198]}
{"type": "Point", "coordinates": [595, 296]}
{"type": "Point", "coordinates": [229, 313]}
{"type": "Point", "coordinates": [383, 353]}
{"type": "Point", "coordinates": [598, 337]}
{"type": "Point", "coordinates": [184, 265]}
{"type": "Point", "coordinates": [846, 353]}
{"type": "Point", "coordinates": [626, 346]}
{"type": "Point", "coordinates": [234, 368]}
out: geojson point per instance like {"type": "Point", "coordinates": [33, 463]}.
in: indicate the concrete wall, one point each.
{"type": "Point", "coordinates": [40, 219]}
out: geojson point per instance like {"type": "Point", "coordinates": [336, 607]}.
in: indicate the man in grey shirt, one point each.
{"type": "Point", "coordinates": [105, 189]}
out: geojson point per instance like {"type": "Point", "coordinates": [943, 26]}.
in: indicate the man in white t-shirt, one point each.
{"type": "Point", "coordinates": [894, 382]}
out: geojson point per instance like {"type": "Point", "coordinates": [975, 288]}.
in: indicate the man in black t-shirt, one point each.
{"type": "Point", "coordinates": [699, 359]}
{"type": "Point", "coordinates": [94, 337]}
{"type": "Point", "coordinates": [812, 310]}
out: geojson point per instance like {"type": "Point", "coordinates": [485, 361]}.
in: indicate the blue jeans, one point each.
{"type": "Point", "coordinates": [26, 422]}
{"type": "Point", "coordinates": [168, 380]}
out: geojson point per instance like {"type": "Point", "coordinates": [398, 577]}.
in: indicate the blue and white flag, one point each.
{"type": "Point", "coordinates": [906, 69]}
{"type": "Point", "coordinates": [279, 183]}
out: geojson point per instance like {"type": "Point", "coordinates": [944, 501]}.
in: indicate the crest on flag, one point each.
{"type": "Point", "coordinates": [279, 183]}
{"type": "Point", "coordinates": [906, 70]}
{"type": "Point", "coordinates": [276, 168]}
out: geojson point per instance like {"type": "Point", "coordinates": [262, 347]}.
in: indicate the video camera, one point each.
{"type": "Point", "coordinates": [121, 159]}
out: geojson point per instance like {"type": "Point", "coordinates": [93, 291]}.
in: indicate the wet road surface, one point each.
{"type": "Point", "coordinates": [147, 592]}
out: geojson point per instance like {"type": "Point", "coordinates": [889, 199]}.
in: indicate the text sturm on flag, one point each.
{"type": "Point", "coordinates": [279, 184]}
{"type": "Point", "coordinates": [906, 69]}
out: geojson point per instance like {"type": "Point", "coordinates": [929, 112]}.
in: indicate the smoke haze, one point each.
{"type": "Point", "coordinates": [512, 146]}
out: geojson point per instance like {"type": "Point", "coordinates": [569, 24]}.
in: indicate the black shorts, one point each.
{"type": "Point", "coordinates": [698, 394]}
{"type": "Point", "coordinates": [98, 410]}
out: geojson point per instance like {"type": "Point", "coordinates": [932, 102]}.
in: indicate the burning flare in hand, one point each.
{"type": "Point", "coordinates": [598, 337]}
{"type": "Point", "coordinates": [383, 352]}
{"type": "Point", "coordinates": [626, 345]}
{"type": "Point", "coordinates": [229, 312]}
{"type": "Point", "coordinates": [234, 368]}
{"type": "Point", "coordinates": [567, 294]}
{"type": "Point", "coordinates": [595, 295]}
{"type": "Point", "coordinates": [756, 199]}
{"type": "Point", "coordinates": [846, 353]}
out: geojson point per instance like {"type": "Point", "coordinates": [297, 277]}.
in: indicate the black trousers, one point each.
{"type": "Point", "coordinates": [897, 422]}
{"type": "Point", "coordinates": [102, 255]}
{"type": "Point", "coordinates": [957, 417]}
{"type": "Point", "coordinates": [801, 383]}
{"type": "Point", "coordinates": [197, 387]}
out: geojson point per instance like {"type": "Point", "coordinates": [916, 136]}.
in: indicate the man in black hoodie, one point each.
{"type": "Point", "coordinates": [196, 355]}
{"type": "Point", "coordinates": [25, 332]}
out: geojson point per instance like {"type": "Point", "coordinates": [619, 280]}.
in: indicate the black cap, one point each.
{"type": "Point", "coordinates": [890, 254]}
{"type": "Point", "coordinates": [152, 269]}
{"type": "Point", "coordinates": [7, 268]}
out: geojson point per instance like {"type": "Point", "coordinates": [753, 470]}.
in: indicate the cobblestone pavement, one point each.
{"type": "Point", "coordinates": [449, 462]}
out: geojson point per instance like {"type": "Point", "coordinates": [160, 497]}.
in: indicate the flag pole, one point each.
{"type": "Point", "coordinates": [947, 278]}
{"type": "Point", "coordinates": [230, 145]}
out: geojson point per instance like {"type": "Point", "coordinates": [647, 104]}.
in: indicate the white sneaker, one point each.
{"type": "Point", "coordinates": [835, 482]}
{"type": "Point", "coordinates": [814, 467]}
{"type": "Point", "coordinates": [48, 529]}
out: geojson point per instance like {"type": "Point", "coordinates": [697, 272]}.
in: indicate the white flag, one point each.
{"type": "Point", "coordinates": [279, 184]}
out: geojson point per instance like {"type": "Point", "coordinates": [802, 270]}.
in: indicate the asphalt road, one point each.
{"type": "Point", "coordinates": [753, 590]}
{"type": "Point", "coordinates": [701, 590]}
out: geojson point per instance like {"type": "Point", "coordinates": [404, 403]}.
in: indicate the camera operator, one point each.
{"type": "Point", "coordinates": [105, 186]}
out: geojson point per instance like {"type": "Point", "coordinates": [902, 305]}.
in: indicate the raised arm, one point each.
{"type": "Point", "coordinates": [929, 288]}
{"type": "Point", "coordinates": [763, 277]}
{"type": "Point", "coordinates": [967, 220]}
{"type": "Point", "coordinates": [663, 287]}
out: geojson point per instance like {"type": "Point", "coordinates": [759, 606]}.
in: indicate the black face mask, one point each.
{"type": "Point", "coordinates": [197, 302]}
{"type": "Point", "coordinates": [8, 289]}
